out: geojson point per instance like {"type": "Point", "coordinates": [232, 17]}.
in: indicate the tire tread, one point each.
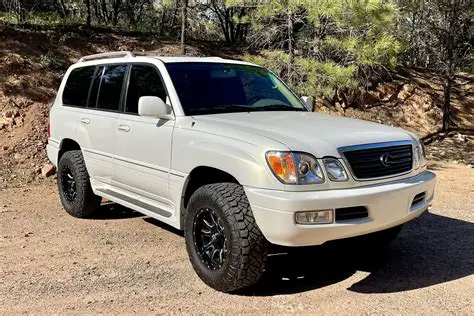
{"type": "Point", "coordinates": [249, 246]}
{"type": "Point", "coordinates": [86, 202]}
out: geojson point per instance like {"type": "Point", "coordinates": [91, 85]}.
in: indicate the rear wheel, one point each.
{"type": "Point", "coordinates": [225, 246]}
{"type": "Point", "coordinates": [74, 186]}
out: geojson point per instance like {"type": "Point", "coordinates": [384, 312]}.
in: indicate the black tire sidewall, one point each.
{"type": "Point", "coordinates": [80, 206]}
{"type": "Point", "coordinates": [212, 277]}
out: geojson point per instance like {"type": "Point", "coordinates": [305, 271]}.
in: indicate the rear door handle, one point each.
{"type": "Point", "coordinates": [85, 121]}
{"type": "Point", "coordinates": [124, 128]}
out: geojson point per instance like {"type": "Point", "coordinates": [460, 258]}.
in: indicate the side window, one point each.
{"type": "Point", "coordinates": [77, 86]}
{"type": "Point", "coordinates": [95, 87]}
{"type": "Point", "coordinates": [144, 81]}
{"type": "Point", "coordinates": [110, 87]}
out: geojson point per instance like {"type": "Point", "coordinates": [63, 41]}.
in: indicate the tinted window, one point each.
{"type": "Point", "coordinates": [207, 88]}
{"type": "Point", "coordinates": [110, 87]}
{"type": "Point", "coordinates": [77, 86]}
{"type": "Point", "coordinates": [144, 81]}
{"type": "Point", "coordinates": [95, 87]}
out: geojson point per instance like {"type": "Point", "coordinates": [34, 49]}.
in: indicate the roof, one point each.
{"type": "Point", "coordinates": [168, 59]}
{"type": "Point", "coordinates": [165, 59]}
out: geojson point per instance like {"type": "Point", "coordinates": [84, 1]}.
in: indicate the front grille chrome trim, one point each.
{"type": "Point", "coordinates": [345, 149]}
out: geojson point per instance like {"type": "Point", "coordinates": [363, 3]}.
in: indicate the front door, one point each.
{"type": "Point", "coordinates": [143, 144]}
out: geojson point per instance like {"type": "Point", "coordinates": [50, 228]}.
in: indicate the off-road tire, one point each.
{"type": "Point", "coordinates": [247, 248]}
{"type": "Point", "coordinates": [85, 202]}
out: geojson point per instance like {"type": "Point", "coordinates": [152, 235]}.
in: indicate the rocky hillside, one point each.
{"type": "Point", "coordinates": [33, 61]}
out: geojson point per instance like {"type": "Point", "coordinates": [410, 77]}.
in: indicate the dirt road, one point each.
{"type": "Point", "coordinates": [123, 262]}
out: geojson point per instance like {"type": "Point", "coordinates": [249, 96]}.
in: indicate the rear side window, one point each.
{"type": "Point", "coordinates": [95, 87]}
{"type": "Point", "coordinates": [144, 81]}
{"type": "Point", "coordinates": [110, 87]}
{"type": "Point", "coordinates": [77, 86]}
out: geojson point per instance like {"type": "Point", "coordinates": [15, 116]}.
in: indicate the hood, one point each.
{"type": "Point", "coordinates": [315, 133]}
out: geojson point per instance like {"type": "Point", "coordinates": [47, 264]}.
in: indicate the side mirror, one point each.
{"type": "Point", "coordinates": [151, 106]}
{"type": "Point", "coordinates": [309, 102]}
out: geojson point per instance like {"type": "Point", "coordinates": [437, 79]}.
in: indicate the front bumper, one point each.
{"type": "Point", "coordinates": [388, 204]}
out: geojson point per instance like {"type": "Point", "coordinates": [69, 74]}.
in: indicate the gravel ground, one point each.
{"type": "Point", "coordinates": [123, 262]}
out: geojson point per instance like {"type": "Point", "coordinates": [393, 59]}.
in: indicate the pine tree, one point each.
{"type": "Point", "coordinates": [325, 46]}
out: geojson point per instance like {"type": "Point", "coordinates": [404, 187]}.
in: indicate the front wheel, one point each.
{"type": "Point", "coordinates": [226, 248]}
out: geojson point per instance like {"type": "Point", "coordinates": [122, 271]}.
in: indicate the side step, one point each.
{"type": "Point", "coordinates": [134, 203]}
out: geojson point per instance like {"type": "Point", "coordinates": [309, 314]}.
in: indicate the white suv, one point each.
{"type": "Point", "coordinates": [225, 151]}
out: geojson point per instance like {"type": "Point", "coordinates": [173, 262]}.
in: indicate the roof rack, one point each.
{"type": "Point", "coordinates": [119, 54]}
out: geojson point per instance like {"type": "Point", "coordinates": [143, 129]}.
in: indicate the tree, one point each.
{"type": "Point", "coordinates": [184, 25]}
{"type": "Point", "coordinates": [327, 47]}
{"type": "Point", "coordinates": [440, 38]}
{"type": "Point", "coordinates": [230, 16]}
{"type": "Point", "coordinates": [88, 12]}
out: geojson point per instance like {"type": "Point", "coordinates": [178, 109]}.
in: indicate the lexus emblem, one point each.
{"type": "Point", "coordinates": [386, 160]}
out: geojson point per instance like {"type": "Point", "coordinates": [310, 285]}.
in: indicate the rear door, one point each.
{"type": "Point", "coordinates": [143, 144]}
{"type": "Point", "coordinates": [96, 128]}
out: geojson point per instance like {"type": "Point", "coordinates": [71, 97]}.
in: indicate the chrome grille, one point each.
{"type": "Point", "coordinates": [379, 160]}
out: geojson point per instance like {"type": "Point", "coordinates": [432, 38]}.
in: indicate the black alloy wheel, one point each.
{"type": "Point", "coordinates": [225, 246]}
{"type": "Point", "coordinates": [68, 184]}
{"type": "Point", "coordinates": [74, 186]}
{"type": "Point", "coordinates": [209, 238]}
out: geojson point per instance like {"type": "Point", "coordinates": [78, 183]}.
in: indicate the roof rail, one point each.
{"type": "Point", "coordinates": [119, 54]}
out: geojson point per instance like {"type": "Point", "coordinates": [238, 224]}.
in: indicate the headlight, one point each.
{"type": "Point", "coordinates": [295, 167]}
{"type": "Point", "coordinates": [335, 170]}
{"type": "Point", "coordinates": [419, 159]}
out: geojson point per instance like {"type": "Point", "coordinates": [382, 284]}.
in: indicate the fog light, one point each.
{"type": "Point", "coordinates": [314, 217]}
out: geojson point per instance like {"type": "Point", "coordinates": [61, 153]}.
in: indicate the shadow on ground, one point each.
{"type": "Point", "coordinates": [111, 211]}
{"type": "Point", "coordinates": [431, 250]}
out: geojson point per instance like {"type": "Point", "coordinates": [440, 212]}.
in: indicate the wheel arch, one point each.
{"type": "Point", "coordinates": [198, 177]}
{"type": "Point", "coordinates": [67, 144]}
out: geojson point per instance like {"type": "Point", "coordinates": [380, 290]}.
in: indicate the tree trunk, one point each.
{"type": "Point", "coordinates": [88, 13]}
{"type": "Point", "coordinates": [184, 19]}
{"type": "Point", "coordinates": [61, 9]}
{"type": "Point", "coordinates": [162, 24]}
{"type": "Point", "coordinates": [290, 47]}
{"type": "Point", "coordinates": [21, 12]}
{"type": "Point", "coordinates": [105, 12]}
{"type": "Point", "coordinates": [116, 6]}
{"type": "Point", "coordinates": [449, 73]}
{"type": "Point", "coordinates": [221, 16]}
{"type": "Point", "coordinates": [448, 84]}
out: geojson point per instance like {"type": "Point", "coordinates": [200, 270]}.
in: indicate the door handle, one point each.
{"type": "Point", "coordinates": [85, 121]}
{"type": "Point", "coordinates": [124, 128]}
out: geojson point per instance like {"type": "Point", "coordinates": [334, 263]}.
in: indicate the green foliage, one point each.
{"type": "Point", "coordinates": [310, 76]}
{"type": "Point", "coordinates": [39, 18]}
{"type": "Point", "coordinates": [335, 44]}
{"type": "Point", "coordinates": [317, 46]}
{"type": "Point", "coordinates": [7, 17]}
{"type": "Point", "coordinates": [380, 51]}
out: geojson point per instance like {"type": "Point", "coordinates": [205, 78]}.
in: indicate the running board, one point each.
{"type": "Point", "coordinates": [142, 205]}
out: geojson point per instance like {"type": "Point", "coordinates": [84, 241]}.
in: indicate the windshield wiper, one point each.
{"type": "Point", "coordinates": [220, 109]}
{"type": "Point", "coordinates": [278, 107]}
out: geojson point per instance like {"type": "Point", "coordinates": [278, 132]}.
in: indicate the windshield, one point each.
{"type": "Point", "coordinates": [210, 88]}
